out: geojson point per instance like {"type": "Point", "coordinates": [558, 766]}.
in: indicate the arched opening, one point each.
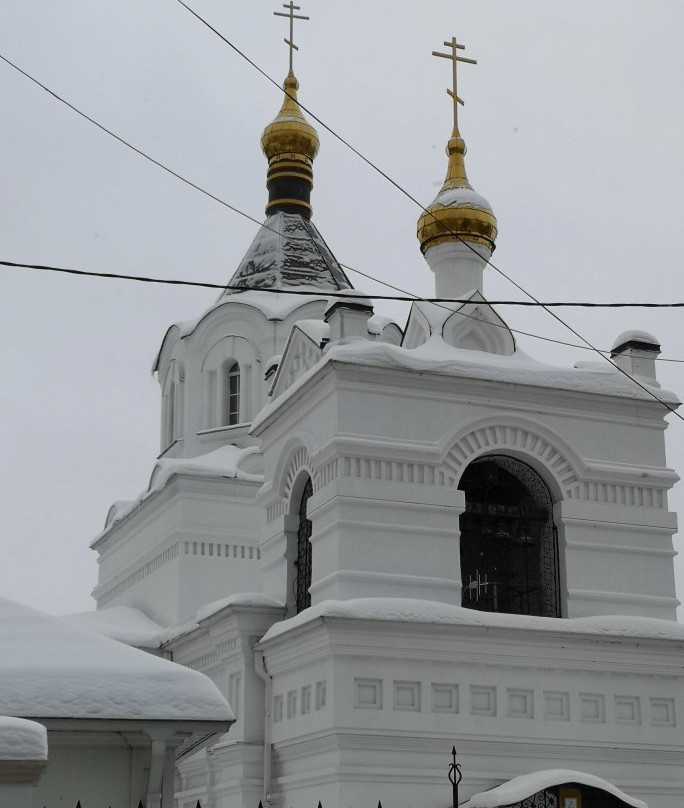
{"type": "Point", "coordinates": [231, 392]}
{"type": "Point", "coordinates": [509, 543]}
{"type": "Point", "coordinates": [301, 562]}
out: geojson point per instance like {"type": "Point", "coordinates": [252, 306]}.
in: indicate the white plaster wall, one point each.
{"type": "Point", "coordinates": [95, 770]}
{"type": "Point", "coordinates": [194, 542]}
{"type": "Point", "coordinates": [520, 701]}
{"type": "Point", "coordinates": [386, 449]}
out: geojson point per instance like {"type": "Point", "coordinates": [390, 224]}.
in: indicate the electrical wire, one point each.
{"type": "Point", "coordinates": [233, 208]}
{"type": "Point", "coordinates": [342, 294]}
{"type": "Point", "coordinates": [416, 201]}
{"type": "Point", "coordinates": [354, 150]}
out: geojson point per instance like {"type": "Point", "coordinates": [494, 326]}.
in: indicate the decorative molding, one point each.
{"type": "Point", "coordinates": [138, 574]}
{"type": "Point", "coordinates": [299, 461]}
{"type": "Point", "coordinates": [512, 438]}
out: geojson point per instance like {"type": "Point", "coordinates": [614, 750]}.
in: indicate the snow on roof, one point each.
{"type": "Point", "coordinates": [635, 336]}
{"type": "Point", "coordinates": [226, 461]}
{"type": "Point", "coordinates": [50, 668]}
{"type": "Point", "coordinates": [455, 197]}
{"type": "Point", "coordinates": [22, 740]}
{"type": "Point", "coordinates": [122, 623]}
{"type": "Point", "coordinates": [315, 330]}
{"type": "Point", "coordinates": [205, 612]}
{"type": "Point", "coordinates": [222, 462]}
{"type": "Point", "coordinates": [437, 356]}
{"type": "Point", "coordinates": [288, 251]}
{"type": "Point", "coordinates": [519, 788]}
{"type": "Point", "coordinates": [377, 323]}
{"type": "Point", "coordinates": [409, 610]}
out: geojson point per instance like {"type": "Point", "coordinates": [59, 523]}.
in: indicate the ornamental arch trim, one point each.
{"type": "Point", "coordinates": [294, 461]}
{"type": "Point", "coordinates": [523, 441]}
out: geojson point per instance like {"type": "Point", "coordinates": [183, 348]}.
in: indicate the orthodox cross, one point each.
{"type": "Point", "coordinates": [455, 58]}
{"type": "Point", "coordinates": [291, 8]}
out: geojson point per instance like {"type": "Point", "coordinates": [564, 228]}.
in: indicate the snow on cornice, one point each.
{"type": "Point", "coordinates": [408, 610]}
{"type": "Point", "coordinates": [222, 462]}
{"type": "Point", "coordinates": [244, 599]}
{"type": "Point", "coordinates": [436, 356]}
{"type": "Point", "coordinates": [50, 668]}
{"type": "Point", "coordinates": [520, 788]}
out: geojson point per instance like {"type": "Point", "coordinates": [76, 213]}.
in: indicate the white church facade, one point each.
{"type": "Point", "coordinates": [381, 542]}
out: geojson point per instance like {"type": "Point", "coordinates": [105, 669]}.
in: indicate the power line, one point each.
{"type": "Point", "coordinates": [341, 294]}
{"type": "Point", "coordinates": [413, 199]}
{"type": "Point", "coordinates": [405, 297]}
{"type": "Point", "coordinates": [359, 154]}
{"type": "Point", "coordinates": [242, 213]}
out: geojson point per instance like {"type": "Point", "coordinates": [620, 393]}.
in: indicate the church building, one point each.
{"type": "Point", "coordinates": [382, 542]}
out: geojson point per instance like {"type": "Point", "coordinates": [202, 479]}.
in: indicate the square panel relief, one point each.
{"type": "Point", "coordinates": [593, 707]}
{"type": "Point", "coordinates": [520, 703]}
{"type": "Point", "coordinates": [627, 710]}
{"type": "Point", "coordinates": [277, 708]}
{"type": "Point", "coordinates": [306, 699]}
{"type": "Point", "coordinates": [407, 696]}
{"type": "Point", "coordinates": [556, 705]}
{"type": "Point", "coordinates": [663, 712]}
{"type": "Point", "coordinates": [482, 700]}
{"type": "Point", "coordinates": [368, 694]}
{"type": "Point", "coordinates": [444, 698]}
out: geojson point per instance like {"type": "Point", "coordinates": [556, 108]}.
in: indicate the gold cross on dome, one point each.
{"type": "Point", "coordinates": [291, 8]}
{"type": "Point", "coordinates": [455, 59]}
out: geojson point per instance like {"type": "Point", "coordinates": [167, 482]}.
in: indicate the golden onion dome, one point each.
{"type": "Point", "coordinates": [290, 143]}
{"type": "Point", "coordinates": [290, 132]}
{"type": "Point", "coordinates": [457, 213]}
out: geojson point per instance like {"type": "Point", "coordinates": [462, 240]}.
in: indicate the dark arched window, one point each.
{"type": "Point", "coordinates": [302, 561]}
{"type": "Point", "coordinates": [509, 545]}
{"type": "Point", "coordinates": [231, 392]}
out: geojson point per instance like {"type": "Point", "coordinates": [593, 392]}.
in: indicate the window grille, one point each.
{"type": "Point", "coordinates": [231, 402]}
{"type": "Point", "coordinates": [303, 561]}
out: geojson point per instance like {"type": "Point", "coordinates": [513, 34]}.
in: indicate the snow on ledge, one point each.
{"type": "Point", "coordinates": [222, 462]}
{"type": "Point", "coordinates": [408, 610]}
{"type": "Point", "coordinates": [205, 612]}
{"type": "Point", "coordinates": [122, 623]}
{"type": "Point", "coordinates": [50, 668]}
{"type": "Point", "coordinates": [22, 740]}
{"type": "Point", "coordinates": [519, 788]}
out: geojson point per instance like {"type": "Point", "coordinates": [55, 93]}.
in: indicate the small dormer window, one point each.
{"type": "Point", "coordinates": [231, 392]}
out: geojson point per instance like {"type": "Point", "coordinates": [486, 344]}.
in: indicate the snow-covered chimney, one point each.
{"type": "Point", "coordinates": [348, 317]}
{"type": "Point", "coordinates": [635, 352]}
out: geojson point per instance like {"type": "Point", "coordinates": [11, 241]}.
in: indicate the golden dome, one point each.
{"type": "Point", "coordinates": [290, 132]}
{"type": "Point", "coordinates": [290, 143]}
{"type": "Point", "coordinates": [457, 212]}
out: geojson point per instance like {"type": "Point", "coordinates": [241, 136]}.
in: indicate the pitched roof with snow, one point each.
{"type": "Point", "coordinates": [288, 251]}
{"type": "Point", "coordinates": [50, 668]}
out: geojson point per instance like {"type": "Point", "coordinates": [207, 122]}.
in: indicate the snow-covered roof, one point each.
{"type": "Point", "coordinates": [519, 788]}
{"type": "Point", "coordinates": [437, 356]}
{"type": "Point", "coordinates": [22, 740]}
{"type": "Point", "coordinates": [205, 612]}
{"type": "Point", "coordinates": [122, 623]}
{"type": "Point", "coordinates": [50, 668]}
{"type": "Point", "coordinates": [226, 461]}
{"type": "Point", "coordinates": [409, 610]}
{"type": "Point", "coordinates": [288, 251]}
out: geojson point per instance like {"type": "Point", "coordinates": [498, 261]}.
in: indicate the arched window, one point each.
{"type": "Point", "coordinates": [231, 392]}
{"type": "Point", "coordinates": [509, 545]}
{"type": "Point", "coordinates": [302, 561]}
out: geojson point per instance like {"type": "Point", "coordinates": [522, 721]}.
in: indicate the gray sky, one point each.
{"type": "Point", "coordinates": [573, 120]}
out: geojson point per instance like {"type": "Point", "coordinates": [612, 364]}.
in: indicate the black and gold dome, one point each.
{"type": "Point", "coordinates": [290, 143]}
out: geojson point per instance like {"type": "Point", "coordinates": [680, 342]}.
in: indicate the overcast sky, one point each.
{"type": "Point", "coordinates": [573, 121]}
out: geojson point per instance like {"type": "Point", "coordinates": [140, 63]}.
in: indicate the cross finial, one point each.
{"type": "Point", "coordinates": [290, 14]}
{"type": "Point", "coordinates": [455, 59]}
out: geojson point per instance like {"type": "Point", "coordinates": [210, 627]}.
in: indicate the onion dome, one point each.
{"type": "Point", "coordinates": [457, 212]}
{"type": "Point", "coordinates": [290, 143]}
